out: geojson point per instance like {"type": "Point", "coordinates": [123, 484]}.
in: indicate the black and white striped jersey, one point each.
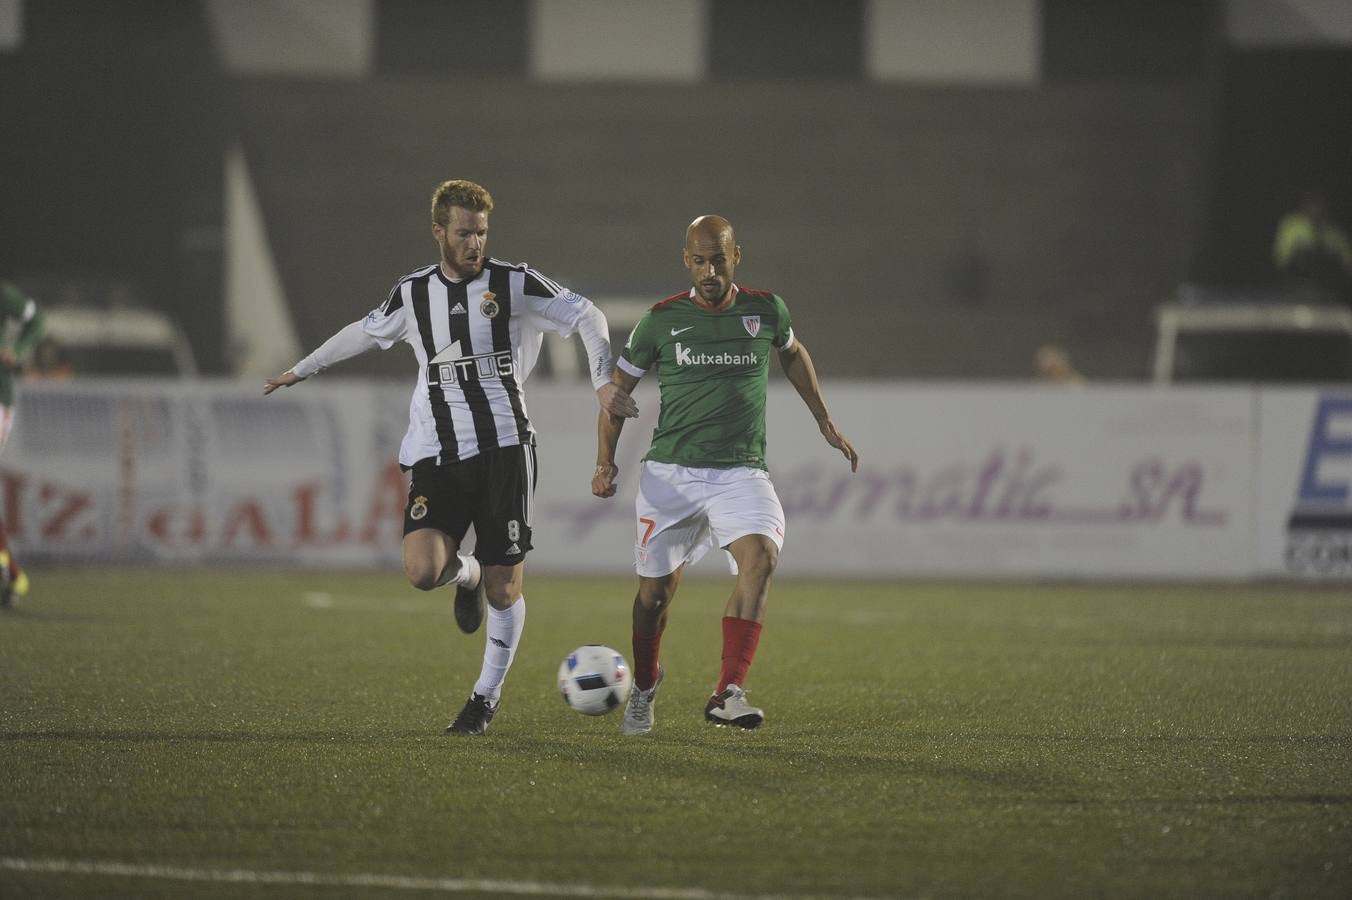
{"type": "Point", "coordinates": [476, 340]}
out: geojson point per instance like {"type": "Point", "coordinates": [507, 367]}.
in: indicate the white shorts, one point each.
{"type": "Point", "coordinates": [684, 512]}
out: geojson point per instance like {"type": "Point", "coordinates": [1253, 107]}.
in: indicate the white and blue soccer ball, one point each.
{"type": "Point", "coordinates": [594, 680]}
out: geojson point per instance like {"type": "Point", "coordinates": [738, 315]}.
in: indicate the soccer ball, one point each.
{"type": "Point", "coordinates": [594, 680]}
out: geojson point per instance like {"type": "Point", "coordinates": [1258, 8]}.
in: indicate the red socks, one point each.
{"type": "Point", "coordinates": [740, 637]}
{"type": "Point", "coordinates": [645, 660]}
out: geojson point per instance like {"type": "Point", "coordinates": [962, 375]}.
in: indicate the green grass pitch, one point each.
{"type": "Point", "coordinates": [162, 730]}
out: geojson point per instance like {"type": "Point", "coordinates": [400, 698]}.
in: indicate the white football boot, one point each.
{"type": "Point", "coordinates": [638, 714]}
{"type": "Point", "coordinates": [729, 707]}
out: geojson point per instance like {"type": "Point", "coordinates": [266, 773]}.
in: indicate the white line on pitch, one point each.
{"type": "Point", "coordinates": [396, 882]}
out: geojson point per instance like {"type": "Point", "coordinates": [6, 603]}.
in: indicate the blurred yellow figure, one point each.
{"type": "Point", "coordinates": [1310, 248]}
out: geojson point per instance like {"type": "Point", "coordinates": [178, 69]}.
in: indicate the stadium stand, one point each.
{"type": "Point", "coordinates": [853, 203]}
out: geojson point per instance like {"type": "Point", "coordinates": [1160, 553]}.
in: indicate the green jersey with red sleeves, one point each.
{"type": "Point", "coordinates": [713, 366]}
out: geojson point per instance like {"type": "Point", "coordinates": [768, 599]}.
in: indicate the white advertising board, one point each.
{"type": "Point", "coordinates": [1305, 484]}
{"type": "Point", "coordinates": [979, 481]}
{"type": "Point", "coordinates": [155, 471]}
{"type": "Point", "coordinates": [970, 481]}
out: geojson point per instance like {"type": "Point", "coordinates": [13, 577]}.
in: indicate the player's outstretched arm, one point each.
{"type": "Point", "coordinates": [608, 427]}
{"type": "Point", "coordinates": [351, 341]}
{"type": "Point", "coordinates": [797, 363]}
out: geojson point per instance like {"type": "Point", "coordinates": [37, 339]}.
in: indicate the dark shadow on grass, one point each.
{"type": "Point", "coordinates": [748, 761]}
{"type": "Point", "coordinates": [1191, 801]}
{"type": "Point", "coordinates": [1304, 799]}
{"type": "Point", "coordinates": [216, 737]}
{"type": "Point", "coordinates": [1143, 740]}
{"type": "Point", "coordinates": [1230, 642]}
{"type": "Point", "coordinates": [35, 614]}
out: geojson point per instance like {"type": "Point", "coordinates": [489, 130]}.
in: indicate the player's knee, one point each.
{"type": "Point", "coordinates": [421, 575]}
{"type": "Point", "coordinates": [762, 561]}
{"type": "Point", "coordinates": [652, 601]}
{"type": "Point", "coordinates": [655, 594]}
{"type": "Point", "coordinates": [502, 595]}
{"type": "Point", "coordinates": [502, 585]}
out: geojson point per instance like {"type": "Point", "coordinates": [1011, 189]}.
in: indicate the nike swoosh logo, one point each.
{"type": "Point", "coordinates": [676, 331]}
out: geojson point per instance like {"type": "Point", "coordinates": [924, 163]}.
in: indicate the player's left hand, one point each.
{"type": "Point", "coordinates": [616, 401]}
{"type": "Point", "coordinates": [837, 440]}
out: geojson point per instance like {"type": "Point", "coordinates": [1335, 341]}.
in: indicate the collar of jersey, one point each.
{"type": "Point", "coordinates": [700, 304]}
{"type": "Point", "coordinates": [458, 282]}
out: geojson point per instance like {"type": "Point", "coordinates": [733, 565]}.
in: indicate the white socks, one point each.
{"type": "Point", "coordinates": [468, 574]}
{"type": "Point", "coordinates": [504, 633]}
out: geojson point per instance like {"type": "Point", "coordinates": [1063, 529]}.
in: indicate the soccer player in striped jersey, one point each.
{"type": "Point", "coordinates": [704, 481]}
{"type": "Point", "coordinates": [475, 325]}
{"type": "Point", "coordinates": [20, 327]}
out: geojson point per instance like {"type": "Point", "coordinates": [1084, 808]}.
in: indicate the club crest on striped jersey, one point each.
{"type": "Point", "coordinates": [751, 324]}
{"type": "Point", "coordinates": [419, 508]}
{"type": "Point", "coordinates": [489, 307]}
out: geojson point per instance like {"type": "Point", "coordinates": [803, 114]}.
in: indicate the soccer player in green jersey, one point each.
{"type": "Point", "coordinates": [20, 327]}
{"type": "Point", "coordinates": [704, 481]}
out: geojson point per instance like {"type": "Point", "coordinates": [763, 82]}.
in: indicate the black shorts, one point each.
{"type": "Point", "coordinates": [491, 491]}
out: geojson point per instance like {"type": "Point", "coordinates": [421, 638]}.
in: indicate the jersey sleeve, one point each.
{"type": "Point", "coordinates": [641, 349]}
{"type": "Point", "coordinates": [553, 306]}
{"type": "Point", "coordinates": [387, 322]}
{"type": "Point", "coordinates": [782, 339]}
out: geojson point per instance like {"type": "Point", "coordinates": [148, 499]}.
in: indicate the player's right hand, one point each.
{"type": "Point", "coordinates": [603, 482]}
{"type": "Point", "coordinates": [286, 379]}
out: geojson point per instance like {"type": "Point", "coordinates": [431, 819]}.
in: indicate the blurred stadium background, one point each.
{"type": "Point", "coordinates": [938, 189]}
{"type": "Point", "coordinates": [199, 192]}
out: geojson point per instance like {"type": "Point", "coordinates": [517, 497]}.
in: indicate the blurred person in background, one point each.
{"type": "Point", "coordinates": [475, 325]}
{"type": "Point", "coordinates": [704, 481]}
{"type": "Point", "coordinates": [48, 362]}
{"type": "Point", "coordinates": [1312, 252]}
{"type": "Point", "coordinates": [20, 328]}
{"type": "Point", "coordinates": [1051, 363]}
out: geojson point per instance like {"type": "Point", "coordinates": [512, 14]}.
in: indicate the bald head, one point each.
{"type": "Point", "coordinates": [711, 254]}
{"type": "Point", "coordinates": [710, 228]}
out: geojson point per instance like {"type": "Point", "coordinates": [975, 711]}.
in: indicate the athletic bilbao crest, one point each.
{"type": "Point", "coordinates": [751, 324]}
